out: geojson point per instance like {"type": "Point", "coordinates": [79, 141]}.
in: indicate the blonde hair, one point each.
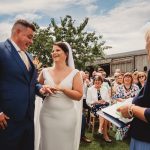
{"type": "Point", "coordinates": [142, 73]}
{"type": "Point", "coordinates": [135, 73]}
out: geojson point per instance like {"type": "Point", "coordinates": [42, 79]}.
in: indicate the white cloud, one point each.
{"type": "Point", "coordinates": [89, 5]}
{"type": "Point", "coordinates": [34, 10]}
{"type": "Point", "coordinates": [4, 30]}
{"type": "Point", "coordinates": [124, 26]}
{"type": "Point", "coordinates": [28, 16]}
{"type": "Point", "coordinates": [17, 6]}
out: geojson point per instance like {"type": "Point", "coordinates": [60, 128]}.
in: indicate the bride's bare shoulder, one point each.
{"type": "Point", "coordinates": [70, 69]}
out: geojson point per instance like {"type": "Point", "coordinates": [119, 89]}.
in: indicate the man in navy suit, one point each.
{"type": "Point", "coordinates": [18, 87]}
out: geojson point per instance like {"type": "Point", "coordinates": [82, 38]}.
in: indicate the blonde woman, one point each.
{"type": "Point", "coordinates": [141, 79]}
{"type": "Point", "coordinates": [140, 110]}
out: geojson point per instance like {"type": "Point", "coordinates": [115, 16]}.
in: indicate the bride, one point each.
{"type": "Point", "coordinates": [61, 112]}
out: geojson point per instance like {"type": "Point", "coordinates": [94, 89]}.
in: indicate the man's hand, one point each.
{"type": "Point", "coordinates": [46, 89]}
{"type": "Point", "coordinates": [3, 121]}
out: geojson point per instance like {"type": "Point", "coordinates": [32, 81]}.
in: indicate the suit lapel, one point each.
{"type": "Point", "coordinates": [17, 58]}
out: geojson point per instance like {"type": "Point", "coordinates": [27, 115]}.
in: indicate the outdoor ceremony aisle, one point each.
{"type": "Point", "coordinates": [99, 144]}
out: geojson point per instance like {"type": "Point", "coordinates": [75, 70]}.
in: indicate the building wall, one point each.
{"type": "Point", "coordinates": [140, 62]}
{"type": "Point", "coordinates": [125, 64]}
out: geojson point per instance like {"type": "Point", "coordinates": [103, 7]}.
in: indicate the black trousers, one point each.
{"type": "Point", "coordinates": [83, 125]}
{"type": "Point", "coordinates": [85, 106]}
{"type": "Point", "coordinates": [19, 135]}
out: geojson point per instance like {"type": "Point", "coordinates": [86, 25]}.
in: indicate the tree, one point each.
{"type": "Point", "coordinates": [86, 46]}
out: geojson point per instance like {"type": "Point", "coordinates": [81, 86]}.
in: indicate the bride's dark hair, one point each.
{"type": "Point", "coordinates": [64, 47]}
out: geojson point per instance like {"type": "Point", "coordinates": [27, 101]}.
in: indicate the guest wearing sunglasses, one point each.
{"type": "Point", "coordinates": [141, 79]}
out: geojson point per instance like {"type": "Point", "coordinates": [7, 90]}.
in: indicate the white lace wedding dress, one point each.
{"type": "Point", "coordinates": [59, 121]}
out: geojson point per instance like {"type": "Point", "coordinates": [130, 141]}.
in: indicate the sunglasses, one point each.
{"type": "Point", "coordinates": [141, 76]}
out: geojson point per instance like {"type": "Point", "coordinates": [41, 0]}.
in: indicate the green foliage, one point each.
{"type": "Point", "coordinates": [86, 46]}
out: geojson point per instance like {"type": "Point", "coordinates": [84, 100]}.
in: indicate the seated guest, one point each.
{"type": "Point", "coordinates": [141, 79]}
{"type": "Point", "coordinates": [104, 78]}
{"type": "Point", "coordinates": [118, 82]}
{"type": "Point", "coordinates": [105, 83]}
{"type": "Point", "coordinates": [97, 98]}
{"type": "Point", "coordinates": [127, 89]}
{"type": "Point", "coordinates": [135, 77]}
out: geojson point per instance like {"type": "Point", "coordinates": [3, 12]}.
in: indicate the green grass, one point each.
{"type": "Point", "coordinates": [99, 144]}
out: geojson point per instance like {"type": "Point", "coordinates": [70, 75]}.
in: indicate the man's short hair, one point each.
{"type": "Point", "coordinates": [24, 23]}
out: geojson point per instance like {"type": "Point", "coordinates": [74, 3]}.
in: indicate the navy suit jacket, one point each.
{"type": "Point", "coordinates": [17, 85]}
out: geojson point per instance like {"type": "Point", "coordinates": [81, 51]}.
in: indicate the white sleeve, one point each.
{"type": "Point", "coordinates": [89, 97]}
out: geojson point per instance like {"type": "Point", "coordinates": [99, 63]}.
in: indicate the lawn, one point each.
{"type": "Point", "coordinates": [99, 144]}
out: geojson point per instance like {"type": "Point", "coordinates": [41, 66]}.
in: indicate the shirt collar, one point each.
{"type": "Point", "coordinates": [15, 45]}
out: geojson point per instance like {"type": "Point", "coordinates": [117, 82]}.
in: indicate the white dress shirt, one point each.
{"type": "Point", "coordinates": [22, 54]}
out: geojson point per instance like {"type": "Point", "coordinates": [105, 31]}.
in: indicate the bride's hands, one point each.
{"type": "Point", "coordinates": [59, 88]}
{"type": "Point", "coordinates": [46, 89]}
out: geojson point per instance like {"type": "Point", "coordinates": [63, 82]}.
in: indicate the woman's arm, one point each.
{"type": "Point", "coordinates": [147, 114]}
{"type": "Point", "coordinates": [40, 78]}
{"type": "Point", "coordinates": [76, 92]}
{"type": "Point", "coordinates": [139, 112]}
{"type": "Point", "coordinates": [89, 97]}
{"type": "Point", "coordinates": [45, 89]}
{"type": "Point", "coordinates": [130, 110]}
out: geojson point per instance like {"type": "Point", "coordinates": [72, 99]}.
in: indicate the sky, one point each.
{"type": "Point", "coordinates": [122, 23]}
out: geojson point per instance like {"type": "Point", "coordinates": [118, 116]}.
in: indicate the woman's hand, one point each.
{"type": "Point", "coordinates": [58, 88]}
{"type": "Point", "coordinates": [3, 121]}
{"type": "Point", "coordinates": [99, 102]}
{"type": "Point", "coordinates": [124, 110]}
{"type": "Point", "coordinates": [95, 102]}
{"type": "Point", "coordinates": [119, 100]}
{"type": "Point", "coordinates": [46, 89]}
{"type": "Point", "coordinates": [102, 102]}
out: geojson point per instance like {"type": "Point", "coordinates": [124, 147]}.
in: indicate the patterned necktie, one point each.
{"type": "Point", "coordinates": [25, 59]}
{"type": "Point", "coordinates": [99, 95]}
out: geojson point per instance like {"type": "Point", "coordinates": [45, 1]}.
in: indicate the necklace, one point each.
{"type": "Point", "coordinates": [127, 89]}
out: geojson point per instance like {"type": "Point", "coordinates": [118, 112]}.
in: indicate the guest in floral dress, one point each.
{"type": "Point", "coordinates": [127, 90]}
